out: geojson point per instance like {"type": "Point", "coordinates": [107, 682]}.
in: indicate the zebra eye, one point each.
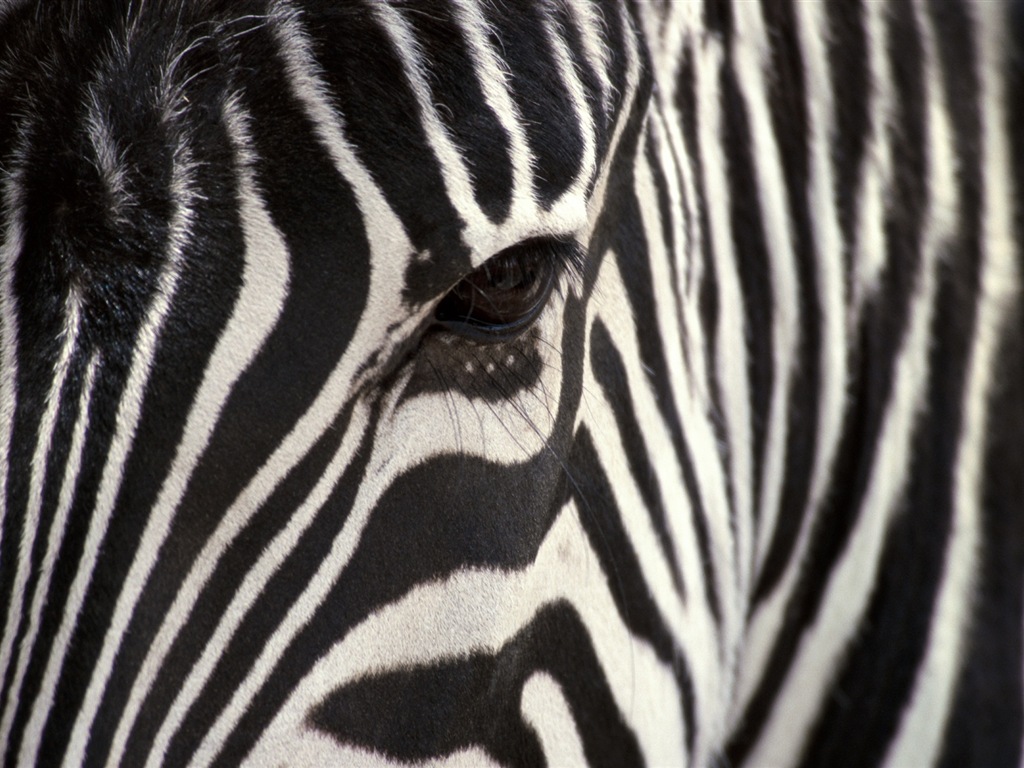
{"type": "Point", "coordinates": [501, 298]}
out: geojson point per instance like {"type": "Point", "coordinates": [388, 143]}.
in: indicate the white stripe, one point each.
{"type": "Point", "coordinates": [752, 56]}
{"type": "Point", "coordinates": [53, 545]}
{"type": "Point", "coordinates": [10, 251]}
{"type": "Point", "coordinates": [584, 119]}
{"type": "Point", "coordinates": [668, 32]}
{"type": "Point", "coordinates": [691, 624]}
{"type": "Point", "coordinates": [494, 80]}
{"type": "Point", "coordinates": [731, 351]}
{"type": "Point", "coordinates": [828, 245]}
{"type": "Point", "coordinates": [873, 193]}
{"type": "Point", "coordinates": [923, 725]}
{"type": "Point", "coordinates": [313, 748]}
{"type": "Point", "coordinates": [109, 160]}
{"type": "Point", "coordinates": [852, 580]}
{"type": "Point", "coordinates": [260, 301]}
{"type": "Point", "coordinates": [128, 413]}
{"type": "Point", "coordinates": [545, 710]}
{"type": "Point", "coordinates": [595, 205]}
{"type": "Point", "coordinates": [589, 23]}
{"type": "Point", "coordinates": [687, 232]}
{"type": "Point", "coordinates": [828, 259]}
{"type": "Point", "coordinates": [31, 521]}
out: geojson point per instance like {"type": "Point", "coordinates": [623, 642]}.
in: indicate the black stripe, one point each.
{"type": "Point", "coordinates": [619, 36]}
{"type": "Point", "coordinates": [538, 90]}
{"type": "Point", "coordinates": [709, 306]}
{"type": "Point", "coordinates": [787, 104]}
{"type": "Point", "coordinates": [477, 701]}
{"type": "Point", "coordinates": [652, 147]}
{"type": "Point", "coordinates": [445, 514]}
{"type": "Point", "coordinates": [849, 69]}
{"type": "Point", "coordinates": [610, 372]}
{"type": "Point", "coordinates": [604, 122]}
{"type": "Point", "coordinates": [456, 89]}
{"type": "Point", "coordinates": [877, 679]}
{"type": "Point", "coordinates": [602, 521]}
{"type": "Point", "coordinates": [718, 18]}
{"type": "Point", "coordinates": [752, 267]}
{"type": "Point", "coordinates": [886, 319]}
{"type": "Point", "coordinates": [71, 240]}
{"type": "Point", "coordinates": [383, 124]}
{"type": "Point", "coordinates": [209, 610]}
{"type": "Point", "coordinates": [683, 255]}
{"type": "Point", "coordinates": [987, 718]}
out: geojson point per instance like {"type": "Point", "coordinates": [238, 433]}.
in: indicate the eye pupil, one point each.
{"type": "Point", "coordinates": [501, 298]}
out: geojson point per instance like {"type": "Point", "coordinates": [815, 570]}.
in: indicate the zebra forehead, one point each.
{"type": "Point", "coordinates": [526, 99]}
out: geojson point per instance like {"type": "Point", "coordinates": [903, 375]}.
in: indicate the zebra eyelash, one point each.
{"type": "Point", "coordinates": [570, 258]}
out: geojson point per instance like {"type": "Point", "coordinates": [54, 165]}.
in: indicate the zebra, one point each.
{"type": "Point", "coordinates": [461, 383]}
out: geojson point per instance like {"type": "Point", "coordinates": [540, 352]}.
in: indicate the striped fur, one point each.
{"type": "Point", "coordinates": [747, 492]}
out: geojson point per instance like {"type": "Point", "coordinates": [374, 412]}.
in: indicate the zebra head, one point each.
{"type": "Point", "coordinates": [393, 382]}
{"type": "Point", "coordinates": [305, 435]}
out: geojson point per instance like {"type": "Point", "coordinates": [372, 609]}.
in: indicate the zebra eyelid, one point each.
{"type": "Point", "coordinates": [482, 308]}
